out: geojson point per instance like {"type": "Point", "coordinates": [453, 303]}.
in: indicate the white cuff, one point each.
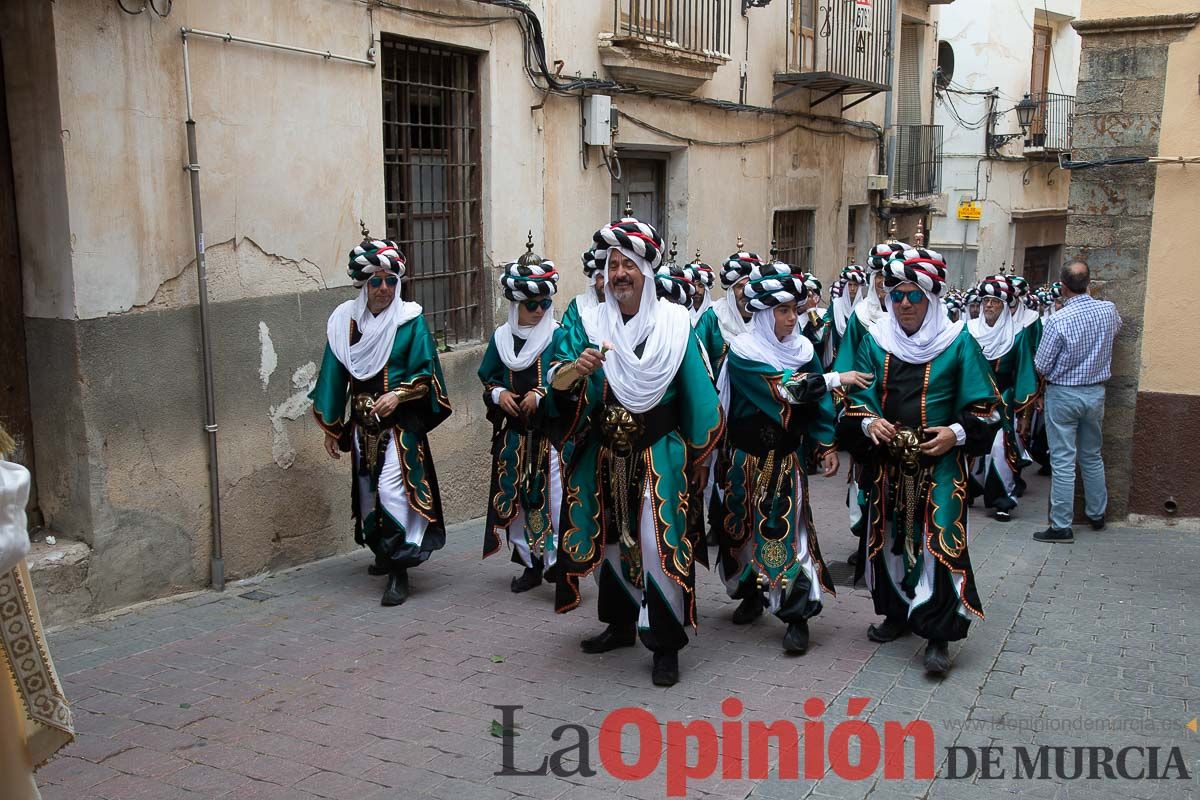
{"type": "Point", "coordinates": [833, 380]}
{"type": "Point", "coordinates": [496, 395]}
{"type": "Point", "coordinates": [959, 433]}
{"type": "Point", "coordinates": [866, 424]}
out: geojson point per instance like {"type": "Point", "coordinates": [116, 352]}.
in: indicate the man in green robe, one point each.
{"type": "Point", "coordinates": [631, 392]}
{"type": "Point", "coordinates": [932, 405]}
{"type": "Point", "coordinates": [704, 318]}
{"type": "Point", "coordinates": [593, 295]}
{"type": "Point", "coordinates": [525, 492]}
{"type": "Point", "coordinates": [780, 424]}
{"type": "Point", "coordinates": [994, 475]}
{"type": "Point", "coordinates": [379, 392]}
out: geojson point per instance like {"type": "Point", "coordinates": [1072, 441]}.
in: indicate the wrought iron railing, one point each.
{"type": "Point", "coordinates": [698, 26]}
{"type": "Point", "coordinates": [847, 38]}
{"type": "Point", "coordinates": [1050, 128]}
{"type": "Point", "coordinates": [917, 168]}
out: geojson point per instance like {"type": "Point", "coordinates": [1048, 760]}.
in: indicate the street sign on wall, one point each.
{"type": "Point", "coordinates": [969, 210]}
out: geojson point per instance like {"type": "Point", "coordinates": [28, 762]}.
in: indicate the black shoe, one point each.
{"type": "Point", "coordinates": [891, 629]}
{"type": "Point", "coordinates": [1097, 523]}
{"type": "Point", "coordinates": [666, 668]}
{"type": "Point", "coordinates": [530, 578]}
{"type": "Point", "coordinates": [853, 559]}
{"type": "Point", "coordinates": [1019, 488]}
{"type": "Point", "coordinates": [1055, 535]}
{"type": "Point", "coordinates": [750, 609]}
{"type": "Point", "coordinates": [397, 588]}
{"type": "Point", "coordinates": [380, 567]}
{"type": "Point", "coordinates": [795, 641]}
{"type": "Point", "coordinates": [937, 657]}
{"type": "Point", "coordinates": [551, 574]}
{"type": "Point", "coordinates": [614, 636]}
{"type": "Point", "coordinates": [1044, 470]}
{"type": "Point", "coordinates": [1003, 516]}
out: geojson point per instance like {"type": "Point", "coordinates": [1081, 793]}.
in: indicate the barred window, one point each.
{"type": "Point", "coordinates": [432, 181]}
{"type": "Point", "coordinates": [793, 235]}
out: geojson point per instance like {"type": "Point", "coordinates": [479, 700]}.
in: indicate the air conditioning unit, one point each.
{"type": "Point", "coordinates": [877, 183]}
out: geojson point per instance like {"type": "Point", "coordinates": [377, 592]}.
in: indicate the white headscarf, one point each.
{"type": "Point", "coordinates": [728, 314]}
{"type": "Point", "coordinates": [639, 383]}
{"type": "Point", "coordinates": [370, 353]}
{"type": "Point", "coordinates": [843, 307]}
{"type": "Point", "coordinates": [936, 333]}
{"type": "Point", "coordinates": [1024, 316]}
{"type": "Point", "coordinates": [586, 299]}
{"type": "Point", "coordinates": [994, 340]}
{"type": "Point", "coordinates": [536, 337]}
{"type": "Point", "coordinates": [867, 308]}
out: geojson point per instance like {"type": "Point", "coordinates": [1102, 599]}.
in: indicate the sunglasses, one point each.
{"type": "Point", "coordinates": [915, 296]}
{"type": "Point", "coordinates": [377, 281]}
{"type": "Point", "coordinates": [534, 305]}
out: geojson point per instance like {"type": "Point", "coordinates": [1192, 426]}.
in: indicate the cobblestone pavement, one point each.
{"type": "Point", "coordinates": [301, 686]}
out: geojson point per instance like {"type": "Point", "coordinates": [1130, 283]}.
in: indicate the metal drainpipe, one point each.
{"type": "Point", "coordinates": [217, 564]}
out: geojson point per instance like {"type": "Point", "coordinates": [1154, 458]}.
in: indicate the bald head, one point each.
{"type": "Point", "coordinates": [1076, 276]}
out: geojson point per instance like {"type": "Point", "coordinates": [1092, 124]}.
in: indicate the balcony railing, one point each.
{"type": "Point", "coordinates": [838, 47]}
{"type": "Point", "coordinates": [696, 26]}
{"type": "Point", "coordinates": [917, 169]}
{"type": "Point", "coordinates": [1050, 128]}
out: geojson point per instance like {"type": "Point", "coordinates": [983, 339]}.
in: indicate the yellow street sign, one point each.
{"type": "Point", "coordinates": [969, 209]}
{"type": "Point", "coordinates": [1191, 726]}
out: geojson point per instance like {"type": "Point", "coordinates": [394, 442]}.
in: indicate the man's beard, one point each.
{"type": "Point", "coordinates": [622, 291]}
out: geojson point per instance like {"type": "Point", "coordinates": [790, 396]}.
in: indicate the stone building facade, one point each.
{"type": "Point", "coordinates": [1134, 225]}
{"type": "Point", "coordinates": [443, 140]}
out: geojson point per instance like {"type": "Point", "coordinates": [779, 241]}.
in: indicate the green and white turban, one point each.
{"type": "Point", "coordinates": [375, 255]}
{"type": "Point", "coordinates": [773, 284]}
{"type": "Point", "coordinates": [521, 282]}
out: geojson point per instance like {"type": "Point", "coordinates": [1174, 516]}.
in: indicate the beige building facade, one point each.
{"type": "Point", "coordinates": [1137, 97]}
{"type": "Point", "coordinates": [742, 124]}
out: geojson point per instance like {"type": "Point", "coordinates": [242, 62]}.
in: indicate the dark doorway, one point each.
{"type": "Point", "coordinates": [1041, 262]}
{"type": "Point", "coordinates": [14, 370]}
{"type": "Point", "coordinates": [643, 183]}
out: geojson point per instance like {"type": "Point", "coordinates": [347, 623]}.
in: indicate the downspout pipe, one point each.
{"type": "Point", "coordinates": [889, 136]}
{"type": "Point", "coordinates": [217, 562]}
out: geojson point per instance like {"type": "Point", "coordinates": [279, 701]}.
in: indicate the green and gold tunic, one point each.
{"type": "Point", "coordinates": [918, 565]}
{"type": "Point", "coordinates": [395, 486]}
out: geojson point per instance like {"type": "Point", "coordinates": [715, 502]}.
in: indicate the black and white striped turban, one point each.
{"type": "Point", "coordinates": [1013, 296]}
{"type": "Point", "coordinates": [1056, 290]}
{"type": "Point", "coordinates": [593, 262]}
{"type": "Point", "coordinates": [971, 298]}
{"type": "Point", "coordinates": [837, 288]}
{"type": "Point", "coordinates": [375, 255]}
{"type": "Point", "coordinates": [1020, 285]}
{"type": "Point", "coordinates": [522, 282]}
{"type": "Point", "coordinates": [1033, 300]}
{"type": "Point", "coordinates": [997, 287]}
{"type": "Point", "coordinates": [674, 282]}
{"type": "Point", "coordinates": [738, 266]}
{"type": "Point", "coordinates": [702, 274]}
{"type": "Point", "coordinates": [925, 268]}
{"type": "Point", "coordinates": [882, 253]}
{"type": "Point", "coordinates": [774, 284]}
{"type": "Point", "coordinates": [854, 274]}
{"type": "Point", "coordinates": [812, 283]}
{"type": "Point", "coordinates": [953, 303]}
{"type": "Point", "coordinates": [630, 234]}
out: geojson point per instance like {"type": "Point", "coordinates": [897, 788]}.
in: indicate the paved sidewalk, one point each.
{"type": "Point", "coordinates": [301, 686]}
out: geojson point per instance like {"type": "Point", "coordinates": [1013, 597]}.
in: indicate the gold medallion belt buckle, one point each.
{"type": "Point", "coordinates": [905, 448]}
{"type": "Point", "coordinates": [620, 429]}
{"type": "Point", "coordinates": [363, 406]}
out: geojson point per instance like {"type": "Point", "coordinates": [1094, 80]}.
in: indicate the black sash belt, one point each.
{"type": "Point", "coordinates": [759, 436]}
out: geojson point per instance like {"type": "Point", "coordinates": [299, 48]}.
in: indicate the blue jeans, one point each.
{"type": "Point", "coordinates": [1074, 415]}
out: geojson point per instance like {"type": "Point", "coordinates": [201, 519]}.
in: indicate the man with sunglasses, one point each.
{"type": "Point", "coordinates": [932, 405]}
{"type": "Point", "coordinates": [380, 391]}
{"type": "Point", "coordinates": [630, 391]}
{"type": "Point", "coordinates": [526, 489]}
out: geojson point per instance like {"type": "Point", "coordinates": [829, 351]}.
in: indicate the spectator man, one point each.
{"type": "Point", "coordinates": [1075, 358]}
